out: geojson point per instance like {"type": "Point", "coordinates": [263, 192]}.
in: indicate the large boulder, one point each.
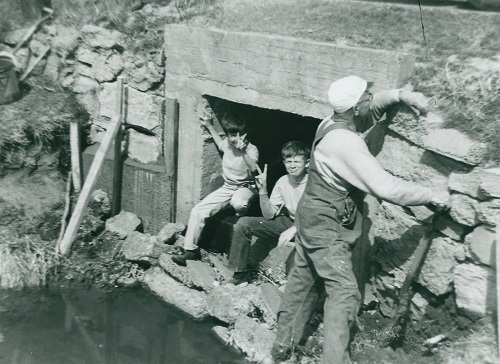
{"type": "Point", "coordinates": [142, 74]}
{"type": "Point", "coordinates": [437, 271]}
{"type": "Point", "coordinates": [141, 247]}
{"type": "Point", "coordinates": [170, 232]}
{"type": "Point", "coordinates": [429, 133]}
{"type": "Point", "coordinates": [475, 289]}
{"type": "Point", "coordinates": [267, 300]}
{"type": "Point", "coordinates": [464, 209]}
{"type": "Point", "coordinates": [466, 183]}
{"type": "Point", "coordinates": [253, 338]}
{"type": "Point", "coordinates": [143, 148]}
{"type": "Point", "coordinates": [412, 163]}
{"type": "Point", "coordinates": [444, 223]}
{"type": "Point", "coordinates": [65, 41]}
{"type": "Point", "coordinates": [178, 272]}
{"type": "Point", "coordinates": [489, 183]}
{"type": "Point", "coordinates": [228, 302]}
{"type": "Point", "coordinates": [481, 243]}
{"type": "Point", "coordinates": [278, 263]}
{"type": "Point", "coordinates": [202, 275]}
{"type": "Point", "coordinates": [190, 301]}
{"type": "Point", "coordinates": [489, 212]}
{"type": "Point", "coordinates": [396, 236]}
{"type": "Point", "coordinates": [123, 224]}
{"type": "Point", "coordinates": [97, 37]}
{"type": "Point", "coordinates": [144, 109]}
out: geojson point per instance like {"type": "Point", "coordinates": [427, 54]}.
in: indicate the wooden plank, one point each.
{"type": "Point", "coordinates": [88, 186]}
{"type": "Point", "coordinates": [118, 161]}
{"type": "Point", "coordinates": [171, 140]}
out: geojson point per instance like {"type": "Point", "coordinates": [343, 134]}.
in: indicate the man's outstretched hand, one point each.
{"type": "Point", "coordinates": [441, 198]}
{"type": "Point", "coordinates": [415, 100]}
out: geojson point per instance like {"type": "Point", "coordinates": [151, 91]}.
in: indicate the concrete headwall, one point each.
{"type": "Point", "coordinates": [266, 71]}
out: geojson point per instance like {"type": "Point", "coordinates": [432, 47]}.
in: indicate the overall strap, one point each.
{"type": "Point", "coordinates": [320, 134]}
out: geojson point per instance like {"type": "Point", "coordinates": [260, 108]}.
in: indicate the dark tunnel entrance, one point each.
{"type": "Point", "coordinates": [269, 130]}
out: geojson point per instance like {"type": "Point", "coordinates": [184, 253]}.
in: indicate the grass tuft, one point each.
{"type": "Point", "coordinates": [26, 262]}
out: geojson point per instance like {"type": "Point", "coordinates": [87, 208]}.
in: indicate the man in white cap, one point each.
{"type": "Point", "coordinates": [340, 165]}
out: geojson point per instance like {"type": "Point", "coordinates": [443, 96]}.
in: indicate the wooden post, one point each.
{"type": "Point", "coordinates": [76, 166]}
{"type": "Point", "coordinates": [88, 186]}
{"type": "Point", "coordinates": [171, 140]}
{"type": "Point", "coordinates": [118, 162]}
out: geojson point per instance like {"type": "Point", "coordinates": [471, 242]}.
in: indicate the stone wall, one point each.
{"type": "Point", "coordinates": [88, 62]}
{"type": "Point", "coordinates": [461, 259]}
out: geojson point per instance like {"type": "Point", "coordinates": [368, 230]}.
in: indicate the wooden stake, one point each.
{"type": "Point", "coordinates": [83, 200]}
{"type": "Point", "coordinates": [74, 141]}
{"type": "Point", "coordinates": [171, 136]}
{"type": "Point", "coordinates": [118, 163]}
{"type": "Point", "coordinates": [67, 207]}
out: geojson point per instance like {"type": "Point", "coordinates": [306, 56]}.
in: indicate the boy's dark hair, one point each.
{"type": "Point", "coordinates": [295, 148]}
{"type": "Point", "coordinates": [233, 123]}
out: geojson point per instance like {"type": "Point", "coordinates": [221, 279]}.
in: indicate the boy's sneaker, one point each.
{"type": "Point", "coordinates": [239, 279]}
{"type": "Point", "coordinates": [181, 259]}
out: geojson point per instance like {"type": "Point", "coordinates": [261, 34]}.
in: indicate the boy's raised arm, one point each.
{"type": "Point", "coordinates": [250, 157]}
{"type": "Point", "coordinates": [269, 211]}
{"type": "Point", "coordinates": [206, 122]}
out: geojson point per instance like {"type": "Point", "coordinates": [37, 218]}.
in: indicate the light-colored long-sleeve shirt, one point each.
{"type": "Point", "coordinates": [343, 158]}
{"type": "Point", "coordinates": [286, 193]}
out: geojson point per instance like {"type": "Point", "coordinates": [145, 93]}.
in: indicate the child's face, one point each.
{"type": "Point", "coordinates": [296, 166]}
{"type": "Point", "coordinates": [234, 138]}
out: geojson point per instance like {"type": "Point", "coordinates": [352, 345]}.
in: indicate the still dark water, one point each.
{"type": "Point", "coordinates": [90, 326]}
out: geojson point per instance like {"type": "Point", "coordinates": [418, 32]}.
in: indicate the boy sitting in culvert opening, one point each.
{"type": "Point", "coordinates": [278, 210]}
{"type": "Point", "coordinates": [239, 165]}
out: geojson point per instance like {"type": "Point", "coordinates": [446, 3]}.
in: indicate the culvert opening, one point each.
{"type": "Point", "coordinates": [269, 130]}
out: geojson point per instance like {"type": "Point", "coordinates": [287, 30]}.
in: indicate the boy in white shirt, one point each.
{"type": "Point", "coordinates": [239, 165]}
{"type": "Point", "coordinates": [278, 211]}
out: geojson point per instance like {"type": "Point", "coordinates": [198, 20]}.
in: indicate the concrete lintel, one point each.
{"type": "Point", "coordinates": [274, 72]}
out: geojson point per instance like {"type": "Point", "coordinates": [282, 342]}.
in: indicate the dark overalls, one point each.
{"type": "Point", "coordinates": [322, 263]}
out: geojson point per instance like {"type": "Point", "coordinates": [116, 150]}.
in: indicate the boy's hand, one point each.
{"type": "Point", "coordinates": [205, 120]}
{"type": "Point", "coordinates": [287, 236]}
{"type": "Point", "coordinates": [415, 100]}
{"type": "Point", "coordinates": [261, 180]}
{"type": "Point", "coordinates": [241, 142]}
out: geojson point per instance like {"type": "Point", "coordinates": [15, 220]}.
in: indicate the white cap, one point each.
{"type": "Point", "coordinates": [346, 92]}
